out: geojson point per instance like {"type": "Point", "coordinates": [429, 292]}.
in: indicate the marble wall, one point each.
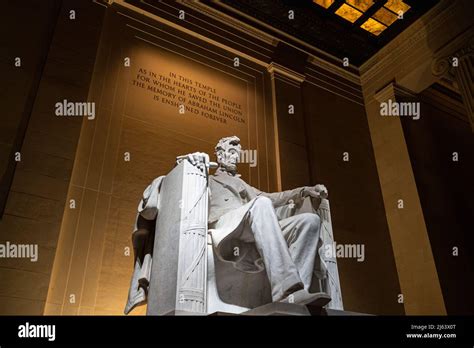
{"type": "Point", "coordinates": [137, 116]}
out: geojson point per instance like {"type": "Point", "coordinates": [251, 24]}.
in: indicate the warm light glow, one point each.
{"type": "Point", "coordinates": [374, 27]}
{"type": "Point", "coordinates": [362, 5]}
{"type": "Point", "coordinates": [397, 6]}
{"type": "Point", "coordinates": [385, 16]}
{"type": "Point", "coordinates": [324, 3]}
{"type": "Point", "coordinates": [349, 13]}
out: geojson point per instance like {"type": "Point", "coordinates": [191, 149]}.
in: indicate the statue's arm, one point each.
{"type": "Point", "coordinates": [297, 195]}
{"type": "Point", "coordinates": [282, 198]}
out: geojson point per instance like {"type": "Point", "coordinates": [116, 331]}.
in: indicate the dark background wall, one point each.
{"type": "Point", "coordinates": [446, 189]}
{"type": "Point", "coordinates": [336, 123]}
{"type": "Point", "coordinates": [31, 44]}
{"type": "Point", "coordinates": [58, 56]}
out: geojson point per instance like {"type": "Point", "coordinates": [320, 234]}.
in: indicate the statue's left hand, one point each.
{"type": "Point", "coordinates": [318, 191]}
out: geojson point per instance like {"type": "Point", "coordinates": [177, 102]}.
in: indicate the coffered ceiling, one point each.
{"type": "Point", "coordinates": [355, 29]}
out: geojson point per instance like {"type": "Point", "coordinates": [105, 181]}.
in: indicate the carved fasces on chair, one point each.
{"type": "Point", "coordinates": [179, 271]}
{"type": "Point", "coordinates": [330, 284]}
{"type": "Point", "coordinates": [192, 277]}
{"type": "Point", "coordinates": [192, 271]}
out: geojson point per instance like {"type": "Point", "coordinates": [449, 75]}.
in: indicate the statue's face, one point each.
{"type": "Point", "coordinates": [229, 157]}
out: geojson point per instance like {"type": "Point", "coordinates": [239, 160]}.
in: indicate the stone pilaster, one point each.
{"type": "Point", "coordinates": [289, 129]}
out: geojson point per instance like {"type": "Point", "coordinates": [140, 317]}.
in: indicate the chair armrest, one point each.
{"type": "Point", "coordinates": [324, 210]}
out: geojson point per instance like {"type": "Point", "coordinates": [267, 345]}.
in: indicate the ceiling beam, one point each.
{"type": "Point", "coordinates": [335, 5]}
{"type": "Point", "coordinates": [367, 14]}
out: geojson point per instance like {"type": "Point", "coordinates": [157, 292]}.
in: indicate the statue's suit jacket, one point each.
{"type": "Point", "coordinates": [230, 199]}
{"type": "Point", "coordinates": [228, 192]}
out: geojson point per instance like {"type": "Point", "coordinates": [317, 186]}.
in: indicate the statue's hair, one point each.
{"type": "Point", "coordinates": [221, 145]}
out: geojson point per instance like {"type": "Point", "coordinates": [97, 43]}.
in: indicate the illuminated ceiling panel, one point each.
{"type": "Point", "coordinates": [397, 6]}
{"type": "Point", "coordinates": [374, 27]}
{"type": "Point", "coordinates": [362, 5]}
{"type": "Point", "coordinates": [383, 13]}
{"type": "Point", "coordinates": [324, 3]}
{"type": "Point", "coordinates": [385, 16]}
{"type": "Point", "coordinates": [349, 13]}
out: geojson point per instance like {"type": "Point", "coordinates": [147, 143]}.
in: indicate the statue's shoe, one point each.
{"type": "Point", "coordinates": [304, 297]}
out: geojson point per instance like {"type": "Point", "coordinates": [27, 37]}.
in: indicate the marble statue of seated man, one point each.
{"type": "Point", "coordinates": [245, 229]}
{"type": "Point", "coordinates": [243, 219]}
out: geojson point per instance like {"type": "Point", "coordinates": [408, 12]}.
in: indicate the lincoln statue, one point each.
{"type": "Point", "coordinates": [248, 228]}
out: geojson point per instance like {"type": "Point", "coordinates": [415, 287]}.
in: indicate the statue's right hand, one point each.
{"type": "Point", "coordinates": [197, 159]}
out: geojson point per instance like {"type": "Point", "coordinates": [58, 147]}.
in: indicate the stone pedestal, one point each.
{"type": "Point", "coordinates": [292, 309]}
{"type": "Point", "coordinates": [279, 308]}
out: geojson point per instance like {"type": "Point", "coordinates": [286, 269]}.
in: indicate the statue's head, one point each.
{"type": "Point", "coordinates": [228, 153]}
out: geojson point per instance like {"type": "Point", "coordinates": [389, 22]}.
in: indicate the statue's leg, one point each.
{"type": "Point", "coordinates": [281, 270]}
{"type": "Point", "coordinates": [301, 232]}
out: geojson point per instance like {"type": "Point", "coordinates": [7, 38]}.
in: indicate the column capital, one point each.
{"type": "Point", "coordinates": [460, 48]}
{"type": "Point", "coordinates": [467, 50]}
{"type": "Point", "coordinates": [460, 73]}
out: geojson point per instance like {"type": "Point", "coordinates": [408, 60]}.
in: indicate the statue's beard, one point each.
{"type": "Point", "coordinates": [228, 167]}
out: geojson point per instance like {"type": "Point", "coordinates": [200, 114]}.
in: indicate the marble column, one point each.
{"type": "Point", "coordinates": [419, 283]}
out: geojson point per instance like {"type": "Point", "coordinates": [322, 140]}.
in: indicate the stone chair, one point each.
{"type": "Point", "coordinates": [233, 291]}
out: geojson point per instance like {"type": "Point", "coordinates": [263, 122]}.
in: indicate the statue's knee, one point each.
{"type": "Point", "coordinates": [264, 202]}
{"type": "Point", "coordinates": [313, 221]}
